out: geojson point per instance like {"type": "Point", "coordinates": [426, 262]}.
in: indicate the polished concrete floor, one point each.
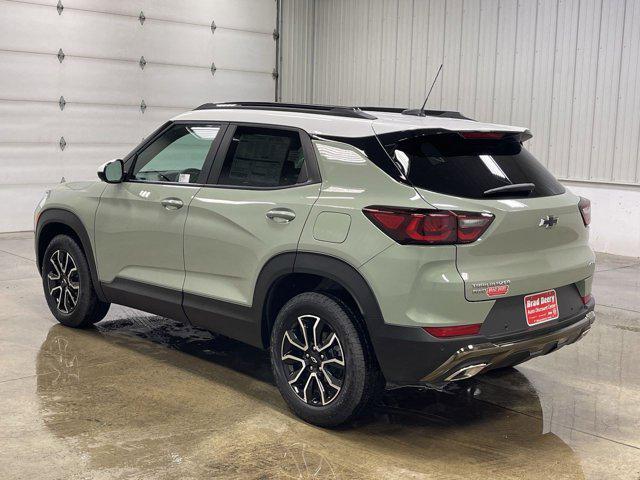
{"type": "Point", "coordinates": [141, 396]}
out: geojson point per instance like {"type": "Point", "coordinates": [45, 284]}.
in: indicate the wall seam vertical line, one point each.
{"type": "Point", "coordinates": [311, 95]}
{"type": "Point", "coordinates": [495, 67]}
{"type": "Point", "coordinates": [460, 56]}
{"type": "Point", "coordinates": [381, 66]}
{"type": "Point", "coordinates": [553, 84]}
{"type": "Point", "coordinates": [444, 42]}
{"type": "Point", "coordinates": [413, 13]}
{"type": "Point", "coordinates": [533, 68]}
{"type": "Point", "coordinates": [573, 89]}
{"type": "Point", "coordinates": [615, 121]}
{"type": "Point", "coordinates": [593, 115]}
{"type": "Point", "coordinates": [475, 82]}
{"type": "Point", "coordinates": [395, 75]}
{"type": "Point", "coordinates": [513, 68]}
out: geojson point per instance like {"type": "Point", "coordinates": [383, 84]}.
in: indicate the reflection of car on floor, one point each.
{"type": "Point", "coordinates": [362, 247]}
{"type": "Point", "coordinates": [95, 407]}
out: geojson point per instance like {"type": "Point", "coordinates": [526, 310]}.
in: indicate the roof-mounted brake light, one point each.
{"type": "Point", "coordinates": [482, 135]}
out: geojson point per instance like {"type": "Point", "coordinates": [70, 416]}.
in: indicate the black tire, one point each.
{"type": "Point", "coordinates": [65, 277]}
{"type": "Point", "coordinates": [360, 380]}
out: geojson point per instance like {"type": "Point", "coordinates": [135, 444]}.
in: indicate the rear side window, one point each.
{"type": "Point", "coordinates": [263, 157]}
{"type": "Point", "coordinates": [449, 164]}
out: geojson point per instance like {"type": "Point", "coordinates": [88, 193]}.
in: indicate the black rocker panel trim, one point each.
{"type": "Point", "coordinates": [229, 319]}
{"type": "Point", "coordinates": [149, 298]}
{"type": "Point", "coordinates": [235, 321]}
{"type": "Point", "coordinates": [65, 217]}
{"type": "Point", "coordinates": [238, 321]}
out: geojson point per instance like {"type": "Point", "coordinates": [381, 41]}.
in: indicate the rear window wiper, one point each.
{"type": "Point", "coordinates": [513, 188]}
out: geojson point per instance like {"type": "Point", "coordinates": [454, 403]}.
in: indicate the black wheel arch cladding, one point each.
{"type": "Point", "coordinates": [56, 221]}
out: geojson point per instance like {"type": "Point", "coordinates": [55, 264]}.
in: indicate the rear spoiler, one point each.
{"type": "Point", "coordinates": [394, 137]}
{"type": "Point", "coordinates": [521, 136]}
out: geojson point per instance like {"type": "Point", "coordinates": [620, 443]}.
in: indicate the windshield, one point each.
{"type": "Point", "coordinates": [475, 168]}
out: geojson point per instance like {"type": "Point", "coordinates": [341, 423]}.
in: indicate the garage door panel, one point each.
{"type": "Point", "coordinates": [27, 122]}
{"type": "Point", "coordinates": [81, 162]}
{"type": "Point", "coordinates": [225, 13]}
{"type": "Point", "coordinates": [234, 14]}
{"type": "Point", "coordinates": [97, 35]}
{"type": "Point", "coordinates": [198, 86]}
{"type": "Point", "coordinates": [46, 163]}
{"type": "Point", "coordinates": [41, 77]}
{"type": "Point", "coordinates": [177, 43]}
{"type": "Point", "coordinates": [26, 163]}
{"type": "Point", "coordinates": [244, 51]}
{"type": "Point", "coordinates": [17, 204]}
{"type": "Point", "coordinates": [183, 44]}
{"type": "Point", "coordinates": [100, 124]}
{"type": "Point", "coordinates": [30, 77]}
{"type": "Point", "coordinates": [99, 81]}
{"type": "Point", "coordinates": [235, 86]}
{"type": "Point", "coordinates": [44, 122]}
{"type": "Point", "coordinates": [119, 7]}
{"type": "Point", "coordinates": [76, 32]}
{"type": "Point", "coordinates": [20, 21]}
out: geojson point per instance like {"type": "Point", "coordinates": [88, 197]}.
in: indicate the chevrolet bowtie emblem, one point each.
{"type": "Point", "coordinates": [548, 221]}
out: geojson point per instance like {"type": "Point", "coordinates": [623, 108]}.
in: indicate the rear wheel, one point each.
{"type": "Point", "coordinates": [67, 284]}
{"type": "Point", "coordinates": [321, 360]}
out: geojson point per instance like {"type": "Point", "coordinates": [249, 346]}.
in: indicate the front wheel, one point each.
{"type": "Point", "coordinates": [322, 362]}
{"type": "Point", "coordinates": [67, 284]}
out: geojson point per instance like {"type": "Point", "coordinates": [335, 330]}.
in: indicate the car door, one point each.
{"type": "Point", "coordinates": [262, 187]}
{"type": "Point", "coordinates": [140, 222]}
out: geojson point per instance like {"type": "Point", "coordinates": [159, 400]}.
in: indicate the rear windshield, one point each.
{"type": "Point", "coordinates": [447, 163]}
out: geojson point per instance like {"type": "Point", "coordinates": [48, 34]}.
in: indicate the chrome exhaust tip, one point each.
{"type": "Point", "coordinates": [466, 372]}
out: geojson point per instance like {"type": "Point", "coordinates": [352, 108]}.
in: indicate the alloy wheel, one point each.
{"type": "Point", "coordinates": [313, 360]}
{"type": "Point", "coordinates": [63, 281]}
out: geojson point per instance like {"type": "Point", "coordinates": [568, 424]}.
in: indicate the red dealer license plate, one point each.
{"type": "Point", "coordinates": [541, 307]}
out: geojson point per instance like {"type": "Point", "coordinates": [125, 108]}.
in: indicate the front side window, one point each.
{"type": "Point", "coordinates": [263, 157]}
{"type": "Point", "coordinates": [178, 155]}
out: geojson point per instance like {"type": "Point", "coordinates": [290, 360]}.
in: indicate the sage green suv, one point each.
{"type": "Point", "coordinates": [364, 247]}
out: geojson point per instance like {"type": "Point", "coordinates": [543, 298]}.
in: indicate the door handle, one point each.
{"type": "Point", "coordinates": [172, 203]}
{"type": "Point", "coordinates": [281, 215]}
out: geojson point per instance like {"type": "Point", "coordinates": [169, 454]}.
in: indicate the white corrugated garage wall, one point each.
{"type": "Point", "coordinates": [567, 69]}
{"type": "Point", "coordinates": [112, 98]}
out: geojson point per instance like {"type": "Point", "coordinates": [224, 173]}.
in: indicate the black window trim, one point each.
{"type": "Point", "coordinates": [131, 159]}
{"type": "Point", "coordinates": [311, 163]}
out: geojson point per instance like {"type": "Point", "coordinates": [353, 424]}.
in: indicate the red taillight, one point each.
{"type": "Point", "coordinates": [429, 227]}
{"type": "Point", "coordinates": [455, 331]}
{"type": "Point", "coordinates": [482, 135]}
{"type": "Point", "coordinates": [586, 299]}
{"type": "Point", "coordinates": [584, 205]}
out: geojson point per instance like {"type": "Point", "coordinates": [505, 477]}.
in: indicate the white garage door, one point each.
{"type": "Point", "coordinates": [83, 81]}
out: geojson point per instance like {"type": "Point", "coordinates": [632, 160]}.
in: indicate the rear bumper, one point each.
{"type": "Point", "coordinates": [410, 356]}
{"type": "Point", "coordinates": [475, 358]}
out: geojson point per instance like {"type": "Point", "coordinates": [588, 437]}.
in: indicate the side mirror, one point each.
{"type": "Point", "coordinates": [402, 161]}
{"type": "Point", "coordinates": [112, 172]}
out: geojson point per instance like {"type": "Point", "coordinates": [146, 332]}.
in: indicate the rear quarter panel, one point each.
{"type": "Point", "coordinates": [336, 225]}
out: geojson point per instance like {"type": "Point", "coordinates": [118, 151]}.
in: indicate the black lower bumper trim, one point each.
{"type": "Point", "coordinates": [409, 355]}
{"type": "Point", "coordinates": [492, 355]}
